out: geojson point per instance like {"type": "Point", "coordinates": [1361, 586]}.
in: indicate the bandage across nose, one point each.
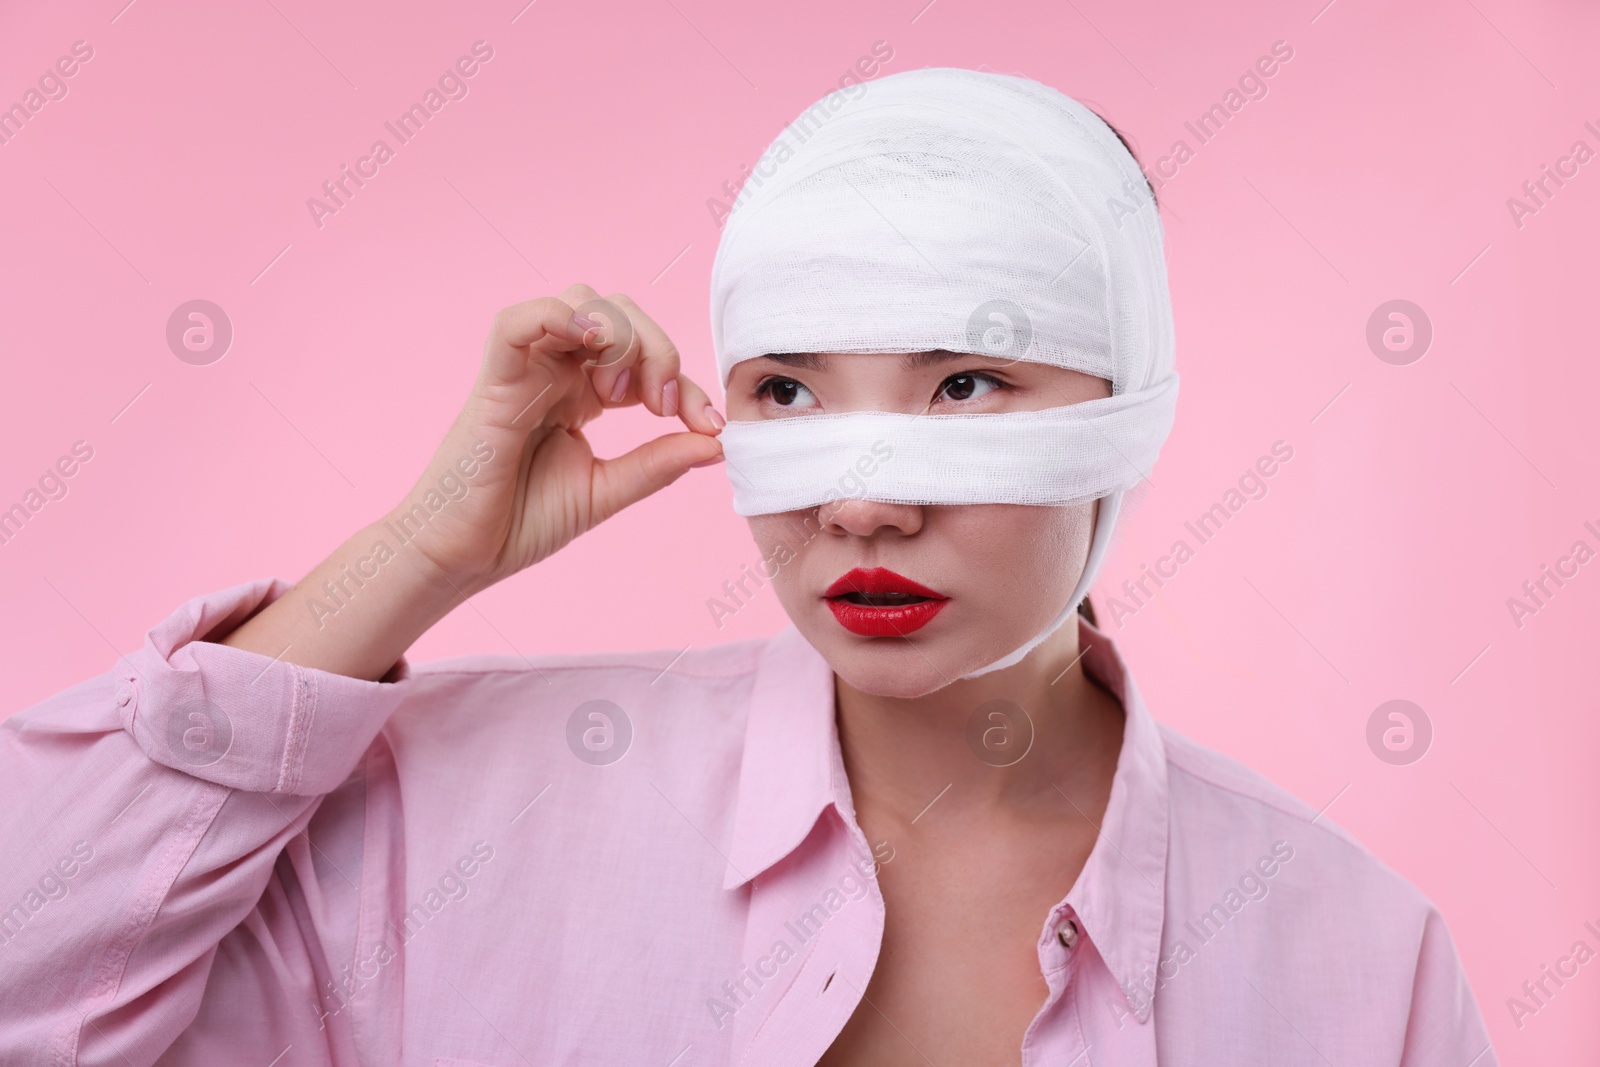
{"type": "Point", "coordinates": [1061, 456]}
{"type": "Point", "coordinates": [895, 217]}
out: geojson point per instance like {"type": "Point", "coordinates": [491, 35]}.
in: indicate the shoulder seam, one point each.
{"type": "Point", "coordinates": [1332, 829]}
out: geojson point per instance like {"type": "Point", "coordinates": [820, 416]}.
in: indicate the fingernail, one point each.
{"type": "Point", "coordinates": [619, 390]}
{"type": "Point", "coordinates": [716, 420]}
{"type": "Point", "coordinates": [669, 398]}
{"type": "Point", "coordinates": [583, 327]}
{"type": "Point", "coordinates": [708, 462]}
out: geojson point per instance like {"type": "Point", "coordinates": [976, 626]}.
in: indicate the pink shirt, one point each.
{"type": "Point", "coordinates": [216, 858]}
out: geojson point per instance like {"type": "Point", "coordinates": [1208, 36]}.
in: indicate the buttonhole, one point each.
{"type": "Point", "coordinates": [826, 984]}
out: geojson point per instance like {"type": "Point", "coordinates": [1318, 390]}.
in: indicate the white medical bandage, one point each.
{"type": "Point", "coordinates": [969, 212]}
{"type": "Point", "coordinates": [1013, 457]}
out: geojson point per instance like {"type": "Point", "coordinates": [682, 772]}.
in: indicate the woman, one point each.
{"type": "Point", "coordinates": [927, 823]}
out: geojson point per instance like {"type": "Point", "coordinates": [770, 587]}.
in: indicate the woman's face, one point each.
{"type": "Point", "coordinates": [1004, 571]}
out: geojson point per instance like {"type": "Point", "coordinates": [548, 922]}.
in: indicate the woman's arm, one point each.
{"type": "Point", "coordinates": [143, 812]}
{"type": "Point", "coordinates": [513, 482]}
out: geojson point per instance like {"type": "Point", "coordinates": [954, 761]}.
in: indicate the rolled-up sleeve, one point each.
{"type": "Point", "coordinates": [239, 719]}
{"type": "Point", "coordinates": [142, 814]}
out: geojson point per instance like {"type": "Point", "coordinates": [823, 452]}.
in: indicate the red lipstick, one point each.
{"type": "Point", "coordinates": [881, 603]}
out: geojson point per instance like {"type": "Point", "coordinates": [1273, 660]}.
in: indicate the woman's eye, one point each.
{"type": "Point", "coordinates": [785, 392]}
{"type": "Point", "coordinates": [967, 386]}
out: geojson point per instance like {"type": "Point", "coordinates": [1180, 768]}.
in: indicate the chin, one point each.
{"type": "Point", "coordinates": [899, 668]}
{"type": "Point", "coordinates": [870, 672]}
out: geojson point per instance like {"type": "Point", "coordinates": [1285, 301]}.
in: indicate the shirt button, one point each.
{"type": "Point", "coordinates": [1067, 933]}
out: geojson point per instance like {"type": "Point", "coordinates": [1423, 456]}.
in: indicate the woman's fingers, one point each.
{"type": "Point", "coordinates": [613, 344]}
{"type": "Point", "coordinates": [628, 357]}
{"type": "Point", "coordinates": [654, 465]}
{"type": "Point", "coordinates": [530, 364]}
{"type": "Point", "coordinates": [657, 363]}
{"type": "Point", "coordinates": [546, 321]}
{"type": "Point", "coordinates": [588, 352]}
{"type": "Point", "coordinates": [649, 373]}
{"type": "Point", "coordinates": [696, 409]}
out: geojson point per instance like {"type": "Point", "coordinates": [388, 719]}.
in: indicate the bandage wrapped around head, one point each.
{"type": "Point", "coordinates": [958, 210]}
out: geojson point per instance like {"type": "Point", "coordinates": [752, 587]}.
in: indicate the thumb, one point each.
{"type": "Point", "coordinates": [654, 465]}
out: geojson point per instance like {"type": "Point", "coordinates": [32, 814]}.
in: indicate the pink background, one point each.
{"type": "Point", "coordinates": [1378, 166]}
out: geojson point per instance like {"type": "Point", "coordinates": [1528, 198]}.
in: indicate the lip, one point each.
{"type": "Point", "coordinates": [880, 580]}
{"type": "Point", "coordinates": [867, 620]}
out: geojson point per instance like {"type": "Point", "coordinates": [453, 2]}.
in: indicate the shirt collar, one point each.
{"type": "Point", "coordinates": [793, 769]}
{"type": "Point", "coordinates": [790, 744]}
{"type": "Point", "coordinates": [1120, 896]}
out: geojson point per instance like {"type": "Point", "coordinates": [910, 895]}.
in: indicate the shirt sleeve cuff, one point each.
{"type": "Point", "coordinates": [241, 719]}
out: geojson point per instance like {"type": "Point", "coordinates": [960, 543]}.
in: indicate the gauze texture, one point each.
{"type": "Point", "coordinates": [960, 210]}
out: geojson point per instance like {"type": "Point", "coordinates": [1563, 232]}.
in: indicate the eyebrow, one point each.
{"type": "Point", "coordinates": [909, 361]}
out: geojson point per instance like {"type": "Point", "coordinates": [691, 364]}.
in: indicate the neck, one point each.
{"type": "Point", "coordinates": [902, 753]}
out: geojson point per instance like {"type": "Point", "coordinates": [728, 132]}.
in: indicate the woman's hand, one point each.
{"type": "Point", "coordinates": [538, 484]}
{"type": "Point", "coordinates": [513, 482]}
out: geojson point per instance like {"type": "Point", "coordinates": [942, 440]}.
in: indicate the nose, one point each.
{"type": "Point", "coordinates": [863, 518]}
